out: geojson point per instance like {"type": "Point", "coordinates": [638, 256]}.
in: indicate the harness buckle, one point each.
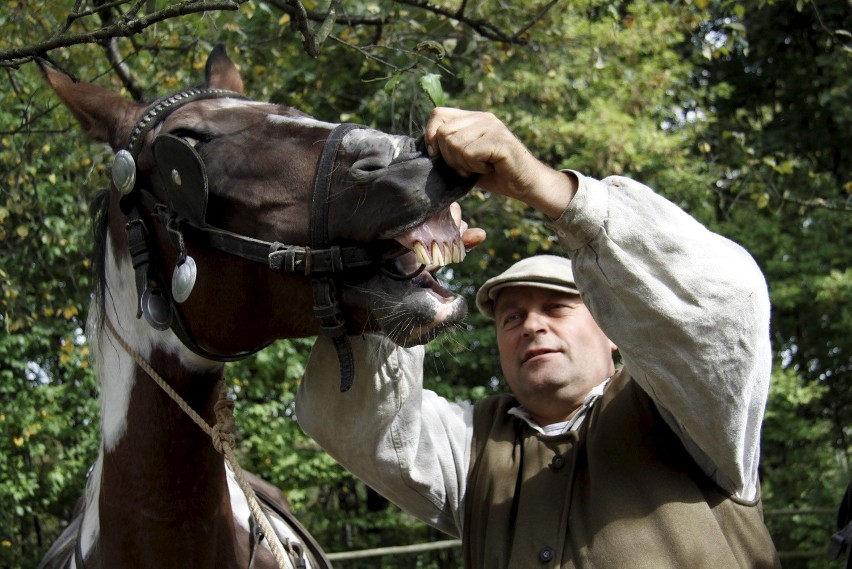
{"type": "Point", "coordinates": [336, 259]}
{"type": "Point", "coordinates": [283, 257]}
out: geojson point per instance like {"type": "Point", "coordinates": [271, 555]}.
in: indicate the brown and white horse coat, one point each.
{"type": "Point", "coordinates": [159, 494]}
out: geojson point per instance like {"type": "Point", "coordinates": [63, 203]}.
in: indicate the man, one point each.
{"type": "Point", "coordinates": [653, 465]}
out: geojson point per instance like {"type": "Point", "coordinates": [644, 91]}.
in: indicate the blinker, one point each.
{"type": "Point", "coordinates": [183, 176]}
{"type": "Point", "coordinates": [123, 172]}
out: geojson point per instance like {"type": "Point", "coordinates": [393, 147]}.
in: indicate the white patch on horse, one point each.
{"type": "Point", "coordinates": [301, 121]}
{"type": "Point", "coordinates": [228, 103]}
{"type": "Point", "coordinates": [112, 363]}
{"type": "Point", "coordinates": [242, 513]}
{"type": "Point", "coordinates": [91, 520]}
{"type": "Point", "coordinates": [355, 138]}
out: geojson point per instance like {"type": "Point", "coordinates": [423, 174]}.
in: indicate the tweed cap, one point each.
{"type": "Point", "coordinates": [543, 271]}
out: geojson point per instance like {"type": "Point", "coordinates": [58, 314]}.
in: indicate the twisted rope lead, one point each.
{"type": "Point", "coordinates": [223, 442]}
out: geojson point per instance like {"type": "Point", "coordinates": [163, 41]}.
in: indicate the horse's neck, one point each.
{"type": "Point", "coordinates": [161, 487]}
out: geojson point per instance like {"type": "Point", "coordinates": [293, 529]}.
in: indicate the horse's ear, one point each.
{"type": "Point", "coordinates": [221, 71]}
{"type": "Point", "coordinates": [102, 113]}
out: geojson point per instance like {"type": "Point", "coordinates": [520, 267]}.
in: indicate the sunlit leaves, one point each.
{"type": "Point", "coordinates": [751, 137]}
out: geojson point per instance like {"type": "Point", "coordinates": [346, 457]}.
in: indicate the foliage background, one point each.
{"type": "Point", "coordinates": [737, 110]}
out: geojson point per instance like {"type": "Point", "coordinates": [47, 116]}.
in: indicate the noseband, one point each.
{"type": "Point", "coordinates": [184, 178]}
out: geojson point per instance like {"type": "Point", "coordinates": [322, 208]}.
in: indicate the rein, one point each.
{"type": "Point", "coordinates": [224, 442]}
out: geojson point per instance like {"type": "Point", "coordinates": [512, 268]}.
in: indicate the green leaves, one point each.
{"type": "Point", "coordinates": [753, 139]}
{"type": "Point", "coordinates": [431, 85]}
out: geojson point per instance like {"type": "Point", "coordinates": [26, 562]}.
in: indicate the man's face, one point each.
{"type": "Point", "coordinates": [551, 350]}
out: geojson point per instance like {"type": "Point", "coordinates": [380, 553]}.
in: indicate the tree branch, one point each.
{"type": "Point", "coordinates": [313, 40]}
{"type": "Point", "coordinates": [122, 27]}
{"type": "Point", "coordinates": [130, 23]}
{"type": "Point", "coordinates": [114, 55]}
{"type": "Point", "coordinates": [483, 27]}
{"type": "Point", "coordinates": [296, 10]}
{"type": "Point", "coordinates": [818, 203]}
{"type": "Point", "coordinates": [122, 70]}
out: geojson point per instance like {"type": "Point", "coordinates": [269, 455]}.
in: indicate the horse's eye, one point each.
{"type": "Point", "coordinates": [194, 137]}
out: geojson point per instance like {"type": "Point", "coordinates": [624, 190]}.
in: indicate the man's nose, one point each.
{"type": "Point", "coordinates": [534, 323]}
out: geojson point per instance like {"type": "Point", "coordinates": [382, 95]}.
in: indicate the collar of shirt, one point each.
{"type": "Point", "coordinates": [571, 424]}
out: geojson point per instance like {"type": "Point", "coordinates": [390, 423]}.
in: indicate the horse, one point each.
{"type": "Point", "coordinates": [231, 223]}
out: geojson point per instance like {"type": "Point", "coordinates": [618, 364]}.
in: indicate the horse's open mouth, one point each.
{"type": "Point", "coordinates": [412, 306]}
{"type": "Point", "coordinates": [427, 281]}
{"type": "Point", "coordinates": [436, 242]}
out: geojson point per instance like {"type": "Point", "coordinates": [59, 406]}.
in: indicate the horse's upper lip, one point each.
{"type": "Point", "coordinates": [442, 187]}
{"type": "Point", "coordinates": [435, 242]}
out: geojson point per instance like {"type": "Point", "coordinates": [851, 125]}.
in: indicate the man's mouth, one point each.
{"type": "Point", "coordinates": [530, 354]}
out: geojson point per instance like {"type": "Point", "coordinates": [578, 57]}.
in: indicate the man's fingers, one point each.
{"type": "Point", "coordinates": [439, 117]}
{"type": "Point", "coordinates": [473, 237]}
{"type": "Point", "coordinates": [470, 153]}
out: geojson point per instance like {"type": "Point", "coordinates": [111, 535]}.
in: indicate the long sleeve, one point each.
{"type": "Point", "coordinates": [408, 443]}
{"type": "Point", "coordinates": [689, 311]}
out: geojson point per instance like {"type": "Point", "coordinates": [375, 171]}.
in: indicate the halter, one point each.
{"type": "Point", "coordinates": [184, 178]}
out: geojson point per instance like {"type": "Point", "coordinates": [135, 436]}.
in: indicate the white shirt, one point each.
{"type": "Point", "coordinates": [572, 424]}
{"type": "Point", "coordinates": [688, 309]}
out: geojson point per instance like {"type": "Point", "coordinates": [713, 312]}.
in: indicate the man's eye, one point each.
{"type": "Point", "coordinates": [511, 319]}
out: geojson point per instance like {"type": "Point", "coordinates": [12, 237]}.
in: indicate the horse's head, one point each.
{"type": "Point", "coordinates": [284, 216]}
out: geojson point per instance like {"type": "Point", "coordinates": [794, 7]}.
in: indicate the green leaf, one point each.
{"type": "Point", "coordinates": [392, 83]}
{"type": "Point", "coordinates": [431, 84]}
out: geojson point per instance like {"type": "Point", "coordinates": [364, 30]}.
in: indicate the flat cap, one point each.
{"type": "Point", "coordinates": [542, 271]}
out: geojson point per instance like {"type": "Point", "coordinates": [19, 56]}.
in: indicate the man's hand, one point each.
{"type": "Point", "coordinates": [477, 142]}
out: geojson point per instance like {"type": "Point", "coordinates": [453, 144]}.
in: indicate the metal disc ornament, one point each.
{"type": "Point", "coordinates": [183, 279]}
{"type": "Point", "coordinates": [155, 307]}
{"type": "Point", "coordinates": [124, 172]}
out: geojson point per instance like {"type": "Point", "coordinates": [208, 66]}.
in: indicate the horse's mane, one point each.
{"type": "Point", "coordinates": [98, 210]}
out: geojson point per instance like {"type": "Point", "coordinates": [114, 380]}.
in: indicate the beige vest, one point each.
{"type": "Point", "coordinates": [621, 492]}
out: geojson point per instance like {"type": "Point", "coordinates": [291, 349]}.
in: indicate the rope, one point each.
{"type": "Point", "coordinates": [223, 441]}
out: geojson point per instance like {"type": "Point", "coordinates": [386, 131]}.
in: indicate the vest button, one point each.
{"type": "Point", "coordinates": [557, 463]}
{"type": "Point", "coordinates": [545, 554]}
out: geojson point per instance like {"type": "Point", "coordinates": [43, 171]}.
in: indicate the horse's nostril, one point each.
{"type": "Point", "coordinates": [371, 164]}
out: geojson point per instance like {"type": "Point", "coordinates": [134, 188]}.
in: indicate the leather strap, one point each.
{"type": "Point", "coordinates": [305, 537]}
{"type": "Point", "coordinates": [278, 256]}
{"type": "Point", "coordinates": [320, 261]}
{"type": "Point", "coordinates": [322, 184]}
{"type": "Point", "coordinates": [326, 309]}
{"type": "Point", "coordinates": [163, 107]}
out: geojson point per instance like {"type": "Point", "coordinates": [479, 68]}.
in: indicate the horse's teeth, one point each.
{"type": "Point", "coordinates": [437, 255]}
{"type": "Point", "coordinates": [456, 254]}
{"type": "Point", "coordinates": [421, 253]}
{"type": "Point", "coordinates": [448, 254]}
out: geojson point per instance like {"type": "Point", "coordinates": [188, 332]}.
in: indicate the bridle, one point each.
{"type": "Point", "coordinates": [184, 177]}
